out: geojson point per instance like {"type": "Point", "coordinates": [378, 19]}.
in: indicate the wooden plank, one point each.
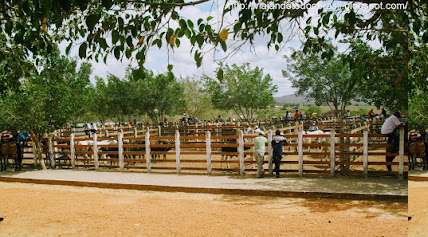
{"type": "Point", "coordinates": [148, 156]}
{"type": "Point", "coordinates": [300, 150]}
{"type": "Point", "coordinates": [120, 149]}
{"type": "Point", "coordinates": [332, 153]}
{"type": "Point", "coordinates": [95, 151]}
{"type": "Point", "coordinates": [177, 152]}
{"type": "Point", "coordinates": [401, 154]}
{"type": "Point", "coordinates": [72, 151]}
{"type": "Point", "coordinates": [208, 151]}
{"type": "Point", "coordinates": [365, 152]}
{"type": "Point", "coordinates": [241, 153]}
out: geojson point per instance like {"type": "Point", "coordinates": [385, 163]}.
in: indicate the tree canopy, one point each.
{"type": "Point", "coordinates": [326, 81]}
{"type": "Point", "coordinates": [31, 30]}
{"type": "Point", "coordinates": [242, 89]}
{"type": "Point", "coordinates": [136, 26]}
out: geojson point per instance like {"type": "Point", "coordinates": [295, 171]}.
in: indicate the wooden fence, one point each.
{"type": "Point", "coordinates": [211, 151]}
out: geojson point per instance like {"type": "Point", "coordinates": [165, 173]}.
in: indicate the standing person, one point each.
{"type": "Point", "coordinates": [370, 114]}
{"type": "Point", "coordinates": [22, 138]}
{"type": "Point", "coordinates": [389, 128]}
{"type": "Point", "coordinates": [287, 114]}
{"type": "Point", "coordinates": [278, 143]}
{"type": "Point", "coordinates": [93, 128]}
{"type": "Point", "coordinates": [259, 147]}
{"type": "Point", "coordinates": [297, 115]}
{"type": "Point", "coordinates": [87, 129]}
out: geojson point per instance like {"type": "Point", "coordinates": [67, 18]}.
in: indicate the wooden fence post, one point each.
{"type": "Point", "coordinates": [332, 152]}
{"type": "Point", "coordinates": [51, 152]}
{"type": "Point", "coordinates": [148, 156]}
{"type": "Point", "coordinates": [208, 150]}
{"type": "Point", "coordinates": [177, 151]}
{"type": "Point", "coordinates": [95, 150]}
{"type": "Point", "coordinates": [55, 148]}
{"type": "Point", "coordinates": [401, 154]}
{"type": "Point", "coordinates": [366, 152]}
{"type": "Point", "coordinates": [270, 152]}
{"type": "Point", "coordinates": [120, 149]}
{"type": "Point", "coordinates": [241, 153]}
{"type": "Point", "coordinates": [300, 149]}
{"type": "Point", "coordinates": [72, 151]}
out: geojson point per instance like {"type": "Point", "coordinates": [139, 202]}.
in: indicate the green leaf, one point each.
{"type": "Point", "coordinates": [190, 23]}
{"type": "Point", "coordinates": [129, 41]}
{"type": "Point", "coordinates": [198, 58]}
{"type": "Point", "coordinates": [237, 27]}
{"type": "Point", "coordinates": [114, 36]}
{"type": "Point", "coordinates": [170, 67]}
{"type": "Point", "coordinates": [200, 40]}
{"type": "Point", "coordinates": [128, 53]}
{"type": "Point", "coordinates": [67, 50]}
{"type": "Point", "coordinates": [280, 38]}
{"type": "Point", "coordinates": [209, 18]}
{"type": "Point", "coordinates": [182, 24]}
{"type": "Point", "coordinates": [120, 22]}
{"type": "Point", "coordinates": [223, 46]}
{"type": "Point", "coordinates": [316, 30]}
{"type": "Point", "coordinates": [103, 43]}
{"type": "Point", "coordinates": [82, 50]}
{"type": "Point", "coordinates": [117, 52]}
{"type": "Point", "coordinates": [220, 74]}
{"type": "Point", "coordinates": [91, 21]}
{"type": "Point", "coordinates": [200, 21]}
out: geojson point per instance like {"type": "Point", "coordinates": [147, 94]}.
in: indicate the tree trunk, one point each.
{"type": "Point", "coordinates": [37, 150]}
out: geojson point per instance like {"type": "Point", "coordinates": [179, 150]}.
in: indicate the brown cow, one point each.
{"type": "Point", "coordinates": [7, 151]}
{"type": "Point", "coordinates": [417, 150]}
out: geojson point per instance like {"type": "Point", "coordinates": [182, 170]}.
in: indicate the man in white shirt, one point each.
{"type": "Point", "coordinates": [391, 123]}
{"type": "Point", "coordinates": [389, 128]}
{"type": "Point", "coordinates": [259, 147]}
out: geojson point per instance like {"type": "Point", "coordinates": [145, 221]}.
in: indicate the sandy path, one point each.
{"type": "Point", "coordinates": [418, 208]}
{"type": "Point", "coordinates": [42, 210]}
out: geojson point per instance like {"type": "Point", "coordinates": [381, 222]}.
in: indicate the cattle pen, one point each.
{"type": "Point", "coordinates": [224, 149]}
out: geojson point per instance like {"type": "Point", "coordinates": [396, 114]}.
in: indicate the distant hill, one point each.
{"type": "Point", "coordinates": [292, 99]}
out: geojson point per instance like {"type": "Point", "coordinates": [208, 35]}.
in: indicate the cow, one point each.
{"type": "Point", "coordinates": [228, 152]}
{"type": "Point", "coordinates": [7, 151]}
{"type": "Point", "coordinates": [417, 150]}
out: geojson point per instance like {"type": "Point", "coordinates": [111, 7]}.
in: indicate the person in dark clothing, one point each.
{"type": "Point", "coordinates": [21, 142]}
{"type": "Point", "coordinates": [278, 143]}
{"type": "Point", "coordinates": [287, 114]}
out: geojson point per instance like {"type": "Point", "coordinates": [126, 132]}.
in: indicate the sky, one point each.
{"type": "Point", "coordinates": [257, 54]}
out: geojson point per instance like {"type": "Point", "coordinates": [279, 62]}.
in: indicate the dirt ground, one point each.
{"type": "Point", "coordinates": [418, 208]}
{"type": "Point", "coordinates": [43, 210]}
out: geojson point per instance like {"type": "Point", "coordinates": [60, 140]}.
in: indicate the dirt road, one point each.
{"type": "Point", "coordinates": [42, 210]}
{"type": "Point", "coordinates": [418, 208]}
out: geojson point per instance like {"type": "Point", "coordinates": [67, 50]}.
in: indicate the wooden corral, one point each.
{"type": "Point", "coordinates": [225, 149]}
